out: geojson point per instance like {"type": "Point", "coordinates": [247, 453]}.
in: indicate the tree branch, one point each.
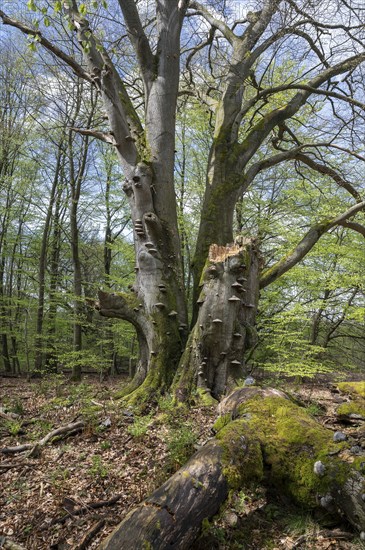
{"type": "Point", "coordinates": [354, 226]}
{"type": "Point", "coordinates": [138, 39]}
{"type": "Point", "coordinates": [107, 138]}
{"type": "Point", "coordinates": [327, 170]}
{"type": "Point", "coordinates": [214, 22]}
{"type": "Point", "coordinates": [118, 106]}
{"type": "Point", "coordinates": [328, 93]}
{"type": "Point", "coordinates": [70, 61]}
{"type": "Point", "coordinates": [305, 245]}
{"type": "Point", "coordinates": [262, 129]}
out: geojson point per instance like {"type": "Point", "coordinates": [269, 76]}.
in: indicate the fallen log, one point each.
{"type": "Point", "coordinates": [75, 427]}
{"type": "Point", "coordinates": [261, 436]}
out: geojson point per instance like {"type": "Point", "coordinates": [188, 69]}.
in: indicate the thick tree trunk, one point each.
{"type": "Point", "coordinates": [213, 360]}
{"type": "Point", "coordinates": [155, 306]}
{"type": "Point", "coordinates": [216, 221]}
{"type": "Point", "coordinates": [262, 437]}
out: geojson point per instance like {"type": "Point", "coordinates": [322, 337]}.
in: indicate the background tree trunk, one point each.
{"type": "Point", "coordinates": [39, 341]}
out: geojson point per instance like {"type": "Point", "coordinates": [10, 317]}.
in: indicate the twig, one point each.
{"type": "Point", "coordinates": [6, 467]}
{"type": "Point", "coordinates": [34, 447]}
{"type": "Point", "coordinates": [336, 534]}
{"type": "Point", "coordinates": [9, 416]}
{"type": "Point", "coordinates": [90, 535]}
{"type": "Point", "coordinates": [84, 509]}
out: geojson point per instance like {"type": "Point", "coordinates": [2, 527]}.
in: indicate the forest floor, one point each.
{"type": "Point", "coordinates": [71, 492]}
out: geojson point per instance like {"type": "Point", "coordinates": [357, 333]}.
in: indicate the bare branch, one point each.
{"type": "Point", "coordinates": [262, 129]}
{"type": "Point", "coordinates": [312, 90]}
{"type": "Point", "coordinates": [327, 170]}
{"type": "Point", "coordinates": [214, 22]}
{"type": "Point", "coordinates": [354, 226]}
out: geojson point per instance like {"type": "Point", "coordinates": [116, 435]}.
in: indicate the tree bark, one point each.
{"type": "Point", "coordinates": [171, 517]}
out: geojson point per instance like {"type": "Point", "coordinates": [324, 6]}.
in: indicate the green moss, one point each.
{"type": "Point", "coordinates": [357, 392]}
{"type": "Point", "coordinates": [205, 398]}
{"type": "Point", "coordinates": [205, 525]}
{"type": "Point", "coordinates": [292, 442]}
{"type": "Point", "coordinates": [353, 407]}
{"type": "Point", "coordinates": [353, 388]}
{"type": "Point", "coordinates": [221, 422]}
{"type": "Point", "coordinates": [242, 457]}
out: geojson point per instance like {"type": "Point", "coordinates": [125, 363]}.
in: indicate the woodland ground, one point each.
{"type": "Point", "coordinates": [50, 500]}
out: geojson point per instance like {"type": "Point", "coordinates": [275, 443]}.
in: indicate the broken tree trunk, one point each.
{"type": "Point", "coordinates": [213, 360]}
{"type": "Point", "coordinates": [261, 437]}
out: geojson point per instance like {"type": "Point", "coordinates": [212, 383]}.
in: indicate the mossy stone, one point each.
{"type": "Point", "coordinates": [353, 407]}
{"type": "Point", "coordinates": [353, 388]}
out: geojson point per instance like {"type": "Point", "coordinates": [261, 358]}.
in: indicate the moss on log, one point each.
{"type": "Point", "coordinates": [261, 437]}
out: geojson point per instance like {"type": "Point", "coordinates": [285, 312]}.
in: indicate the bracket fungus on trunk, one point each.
{"type": "Point", "coordinates": [215, 333]}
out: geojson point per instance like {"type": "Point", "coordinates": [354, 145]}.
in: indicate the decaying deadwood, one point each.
{"type": "Point", "coordinates": [72, 428]}
{"type": "Point", "coordinates": [8, 416]}
{"type": "Point", "coordinates": [225, 327]}
{"type": "Point", "coordinates": [171, 517]}
{"type": "Point", "coordinates": [84, 543]}
{"type": "Point", "coordinates": [5, 466]}
{"type": "Point", "coordinates": [262, 436]}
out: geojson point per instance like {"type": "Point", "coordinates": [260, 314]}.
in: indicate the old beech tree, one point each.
{"type": "Point", "coordinates": [225, 55]}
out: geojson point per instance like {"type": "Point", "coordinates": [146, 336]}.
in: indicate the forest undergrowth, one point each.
{"type": "Point", "coordinates": [71, 491]}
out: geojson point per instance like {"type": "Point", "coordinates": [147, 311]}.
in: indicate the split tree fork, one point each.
{"type": "Point", "coordinates": [246, 117]}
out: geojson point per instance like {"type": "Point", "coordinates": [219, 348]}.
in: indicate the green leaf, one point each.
{"type": "Point", "coordinates": [57, 6]}
{"type": "Point", "coordinates": [83, 9]}
{"type": "Point", "coordinates": [47, 22]}
{"type": "Point", "coordinates": [31, 5]}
